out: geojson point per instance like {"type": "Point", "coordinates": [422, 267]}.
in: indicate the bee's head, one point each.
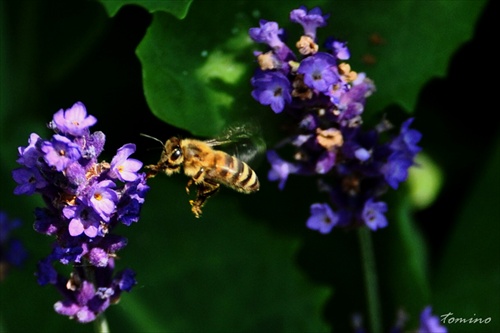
{"type": "Point", "coordinates": [172, 156]}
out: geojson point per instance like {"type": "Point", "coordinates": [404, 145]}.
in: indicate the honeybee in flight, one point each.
{"type": "Point", "coordinates": [208, 167]}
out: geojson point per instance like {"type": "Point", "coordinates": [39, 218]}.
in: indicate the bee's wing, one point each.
{"type": "Point", "coordinates": [242, 141]}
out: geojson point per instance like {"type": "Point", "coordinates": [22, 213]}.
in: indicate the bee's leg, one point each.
{"type": "Point", "coordinates": [200, 175]}
{"type": "Point", "coordinates": [205, 191]}
{"type": "Point", "coordinates": [152, 170]}
{"type": "Point", "coordinates": [188, 185]}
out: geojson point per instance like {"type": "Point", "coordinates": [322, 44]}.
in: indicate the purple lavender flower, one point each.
{"type": "Point", "coordinates": [354, 165]}
{"type": "Point", "coordinates": [28, 180]}
{"type": "Point", "coordinates": [45, 222]}
{"type": "Point", "coordinates": [319, 71]}
{"type": "Point", "coordinates": [267, 33]}
{"type": "Point", "coordinates": [46, 273]}
{"type": "Point", "coordinates": [310, 21]}
{"type": "Point", "coordinates": [124, 168]}
{"type": "Point", "coordinates": [280, 169]}
{"type": "Point", "coordinates": [395, 170]}
{"type": "Point", "coordinates": [129, 207]}
{"type": "Point", "coordinates": [12, 251]}
{"type": "Point", "coordinates": [430, 323]}
{"type": "Point", "coordinates": [351, 103]}
{"type": "Point", "coordinates": [73, 121]}
{"type": "Point", "coordinates": [28, 156]}
{"type": "Point", "coordinates": [340, 50]}
{"type": "Point", "coordinates": [272, 89]}
{"type": "Point", "coordinates": [85, 199]}
{"type": "Point", "coordinates": [69, 252]}
{"type": "Point", "coordinates": [325, 162]}
{"type": "Point", "coordinates": [125, 280]}
{"type": "Point", "coordinates": [407, 140]}
{"type": "Point", "coordinates": [94, 145]}
{"type": "Point", "coordinates": [103, 198]}
{"type": "Point", "coordinates": [373, 214]}
{"type": "Point", "coordinates": [322, 218]}
{"type": "Point", "coordinates": [85, 300]}
{"type": "Point", "coordinates": [98, 257]}
{"type": "Point", "coordinates": [83, 305]}
{"type": "Point", "coordinates": [82, 220]}
{"type": "Point", "coordinates": [60, 152]}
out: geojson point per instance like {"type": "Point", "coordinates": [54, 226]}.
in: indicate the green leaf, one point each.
{"type": "Point", "coordinates": [178, 8]}
{"type": "Point", "coordinates": [416, 41]}
{"type": "Point", "coordinates": [467, 283]}
{"type": "Point", "coordinates": [189, 76]}
{"type": "Point", "coordinates": [200, 81]}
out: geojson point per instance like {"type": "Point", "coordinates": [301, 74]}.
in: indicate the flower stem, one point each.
{"type": "Point", "coordinates": [371, 283]}
{"type": "Point", "coordinates": [101, 324]}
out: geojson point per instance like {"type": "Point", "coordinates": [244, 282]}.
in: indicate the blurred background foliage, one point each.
{"type": "Point", "coordinates": [250, 264]}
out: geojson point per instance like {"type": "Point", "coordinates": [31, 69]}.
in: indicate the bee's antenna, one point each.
{"type": "Point", "coordinates": [152, 137]}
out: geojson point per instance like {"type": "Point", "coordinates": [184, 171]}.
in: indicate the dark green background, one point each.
{"type": "Point", "coordinates": [250, 264]}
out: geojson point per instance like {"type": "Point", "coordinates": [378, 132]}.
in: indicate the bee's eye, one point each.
{"type": "Point", "coordinates": [175, 154]}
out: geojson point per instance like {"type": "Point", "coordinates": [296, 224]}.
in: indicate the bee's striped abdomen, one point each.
{"type": "Point", "coordinates": [234, 173]}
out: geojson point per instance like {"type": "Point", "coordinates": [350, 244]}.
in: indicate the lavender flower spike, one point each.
{"type": "Point", "coordinates": [310, 21]}
{"type": "Point", "coordinates": [85, 200]}
{"type": "Point", "coordinates": [354, 165]}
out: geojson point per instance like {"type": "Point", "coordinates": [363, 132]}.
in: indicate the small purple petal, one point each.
{"type": "Point", "coordinates": [272, 88]}
{"type": "Point", "coordinates": [98, 257]}
{"type": "Point", "coordinates": [310, 21]}
{"type": "Point", "coordinates": [124, 168]}
{"type": "Point", "coordinates": [373, 214]}
{"type": "Point", "coordinates": [60, 152]}
{"type": "Point", "coordinates": [28, 180]}
{"type": "Point", "coordinates": [267, 33]}
{"type": "Point", "coordinates": [75, 227]}
{"type": "Point", "coordinates": [430, 323]}
{"type": "Point", "coordinates": [320, 71]}
{"type": "Point", "coordinates": [74, 120]}
{"type": "Point", "coordinates": [280, 169]}
{"type": "Point", "coordinates": [322, 218]}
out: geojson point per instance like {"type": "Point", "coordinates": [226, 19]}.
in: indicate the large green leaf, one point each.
{"type": "Point", "coordinates": [189, 75]}
{"type": "Point", "coordinates": [194, 80]}
{"type": "Point", "coordinates": [468, 281]}
{"type": "Point", "coordinates": [403, 44]}
{"type": "Point", "coordinates": [178, 8]}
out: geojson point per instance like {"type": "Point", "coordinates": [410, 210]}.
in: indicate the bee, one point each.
{"type": "Point", "coordinates": [206, 167]}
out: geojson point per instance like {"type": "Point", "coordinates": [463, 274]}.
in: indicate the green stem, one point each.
{"type": "Point", "coordinates": [101, 324]}
{"type": "Point", "coordinates": [371, 283]}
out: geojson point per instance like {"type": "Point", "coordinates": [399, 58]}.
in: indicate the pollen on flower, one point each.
{"type": "Point", "coordinates": [307, 46]}
{"type": "Point", "coordinates": [62, 152]}
{"type": "Point", "coordinates": [267, 61]}
{"type": "Point", "coordinates": [347, 74]}
{"type": "Point", "coordinates": [294, 65]}
{"type": "Point", "coordinates": [330, 138]}
{"type": "Point", "coordinates": [68, 199]}
{"type": "Point", "coordinates": [98, 196]}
